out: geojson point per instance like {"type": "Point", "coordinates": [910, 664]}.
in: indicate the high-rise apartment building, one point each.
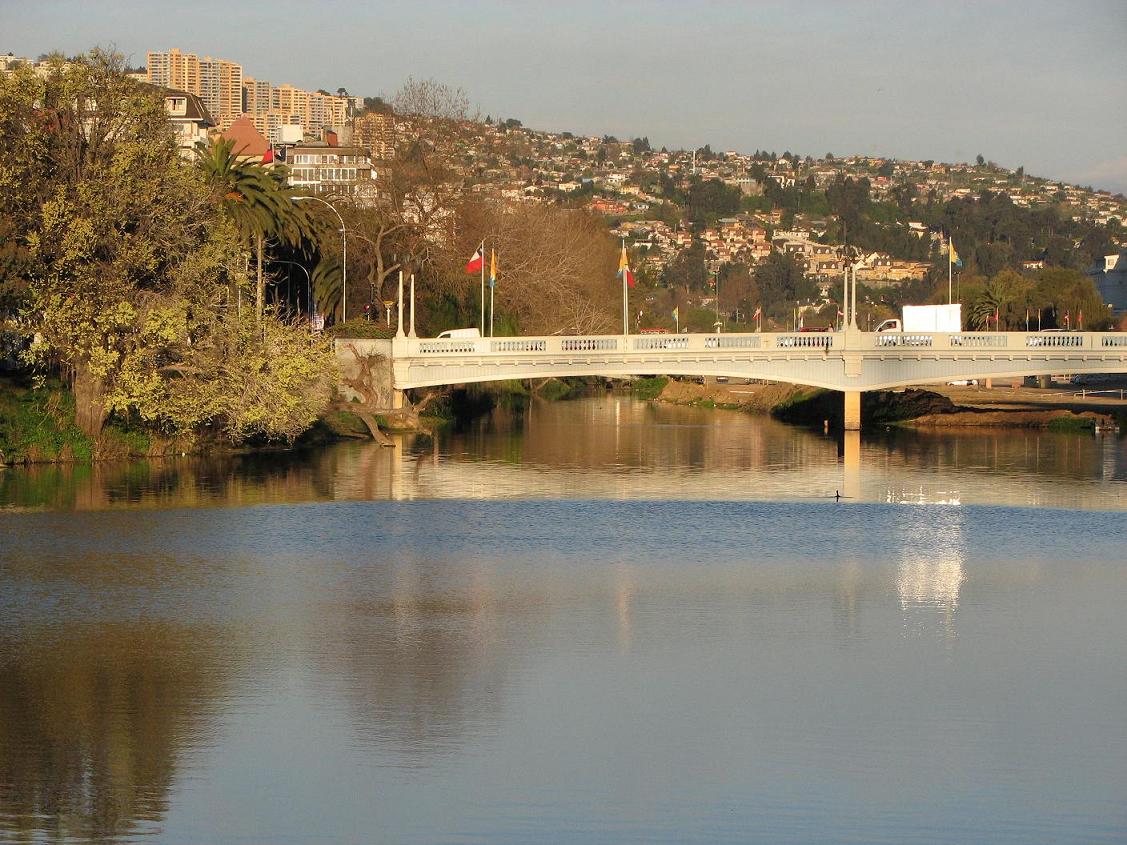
{"type": "Point", "coordinates": [174, 70]}
{"type": "Point", "coordinates": [227, 94]}
{"type": "Point", "coordinates": [256, 95]}
{"type": "Point", "coordinates": [218, 82]}
{"type": "Point", "coordinates": [377, 134]}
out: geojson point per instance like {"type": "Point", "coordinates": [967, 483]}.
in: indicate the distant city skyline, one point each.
{"type": "Point", "coordinates": [1036, 84]}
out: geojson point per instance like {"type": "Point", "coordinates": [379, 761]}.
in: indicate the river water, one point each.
{"type": "Point", "coordinates": [591, 621]}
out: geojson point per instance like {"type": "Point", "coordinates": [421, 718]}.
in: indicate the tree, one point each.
{"type": "Point", "coordinates": [687, 271]}
{"type": "Point", "coordinates": [257, 199]}
{"type": "Point", "coordinates": [556, 268]}
{"type": "Point", "coordinates": [131, 272]}
{"type": "Point", "coordinates": [94, 188]}
{"type": "Point", "coordinates": [781, 283]}
{"type": "Point", "coordinates": [979, 160]}
{"type": "Point", "coordinates": [431, 100]}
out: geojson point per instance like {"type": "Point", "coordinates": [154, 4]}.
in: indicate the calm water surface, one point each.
{"type": "Point", "coordinates": [595, 621]}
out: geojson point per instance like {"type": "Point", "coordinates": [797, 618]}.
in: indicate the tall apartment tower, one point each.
{"type": "Point", "coordinates": [219, 83]}
{"type": "Point", "coordinates": [376, 133]}
{"type": "Point", "coordinates": [221, 89]}
{"type": "Point", "coordinates": [174, 70]}
{"type": "Point", "coordinates": [256, 95]}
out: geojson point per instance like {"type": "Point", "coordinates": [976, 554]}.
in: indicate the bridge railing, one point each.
{"type": "Point", "coordinates": [766, 343]}
{"type": "Point", "coordinates": [985, 341]}
{"type": "Point", "coordinates": [648, 343]}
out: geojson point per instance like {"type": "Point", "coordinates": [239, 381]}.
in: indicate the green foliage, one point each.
{"type": "Point", "coordinates": [346, 425]}
{"type": "Point", "coordinates": [38, 425]}
{"type": "Point", "coordinates": [553, 390]}
{"type": "Point", "coordinates": [709, 198]}
{"type": "Point", "coordinates": [129, 273]}
{"type": "Point", "coordinates": [781, 283]}
{"type": "Point", "coordinates": [359, 327]}
{"type": "Point", "coordinates": [649, 388]}
{"type": "Point", "coordinates": [1045, 298]}
{"type": "Point", "coordinates": [256, 198]}
{"type": "Point", "coordinates": [1072, 424]}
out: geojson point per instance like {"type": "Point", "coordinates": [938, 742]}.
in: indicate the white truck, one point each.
{"type": "Point", "coordinates": [459, 334]}
{"type": "Point", "coordinates": [927, 318]}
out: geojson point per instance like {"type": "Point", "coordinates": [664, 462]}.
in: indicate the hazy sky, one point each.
{"type": "Point", "coordinates": [1040, 84]}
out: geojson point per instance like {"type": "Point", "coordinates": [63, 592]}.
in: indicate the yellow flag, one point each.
{"type": "Point", "coordinates": [954, 256]}
{"type": "Point", "coordinates": [492, 268]}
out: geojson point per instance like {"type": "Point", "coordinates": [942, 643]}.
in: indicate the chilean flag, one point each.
{"type": "Point", "coordinates": [477, 260]}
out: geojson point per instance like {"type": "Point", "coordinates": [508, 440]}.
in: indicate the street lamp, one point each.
{"type": "Point", "coordinates": [343, 253]}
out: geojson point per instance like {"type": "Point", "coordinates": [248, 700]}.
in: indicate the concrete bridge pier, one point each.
{"type": "Point", "coordinates": [851, 419]}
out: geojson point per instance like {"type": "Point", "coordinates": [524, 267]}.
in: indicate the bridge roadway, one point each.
{"type": "Point", "coordinates": [850, 361]}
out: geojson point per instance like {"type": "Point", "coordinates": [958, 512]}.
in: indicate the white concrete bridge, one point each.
{"type": "Point", "coordinates": [850, 361]}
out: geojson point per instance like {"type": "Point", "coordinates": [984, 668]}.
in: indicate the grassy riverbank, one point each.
{"type": "Point", "coordinates": [37, 426]}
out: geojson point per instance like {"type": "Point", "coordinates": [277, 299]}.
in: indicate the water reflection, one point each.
{"type": "Point", "coordinates": [419, 660]}
{"type": "Point", "coordinates": [614, 447]}
{"type": "Point", "coordinates": [930, 571]}
{"type": "Point", "coordinates": [94, 720]}
{"type": "Point", "coordinates": [493, 670]}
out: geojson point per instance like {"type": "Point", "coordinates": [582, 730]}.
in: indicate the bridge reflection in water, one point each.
{"type": "Point", "coordinates": [615, 447]}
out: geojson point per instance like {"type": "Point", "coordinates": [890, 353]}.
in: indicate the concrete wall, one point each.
{"type": "Point", "coordinates": [365, 371]}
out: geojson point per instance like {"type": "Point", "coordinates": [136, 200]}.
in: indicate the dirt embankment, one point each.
{"type": "Point", "coordinates": [931, 408]}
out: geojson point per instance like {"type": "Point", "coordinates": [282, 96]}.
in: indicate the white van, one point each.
{"type": "Point", "coordinates": [460, 334]}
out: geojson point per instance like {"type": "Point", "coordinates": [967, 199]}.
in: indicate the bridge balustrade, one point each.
{"type": "Point", "coordinates": [662, 342]}
{"type": "Point", "coordinates": [896, 339]}
{"type": "Point", "coordinates": [445, 347]}
{"type": "Point", "coordinates": [521, 345]}
{"type": "Point", "coordinates": [1117, 340]}
{"type": "Point", "coordinates": [732, 341]}
{"type": "Point", "coordinates": [1055, 340]}
{"type": "Point", "coordinates": [804, 341]}
{"type": "Point", "coordinates": [589, 344]}
{"type": "Point", "coordinates": [980, 341]}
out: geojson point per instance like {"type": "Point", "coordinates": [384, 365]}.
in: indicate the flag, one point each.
{"type": "Point", "coordinates": [1080, 318]}
{"type": "Point", "coordinates": [624, 268]}
{"type": "Point", "coordinates": [268, 156]}
{"type": "Point", "coordinates": [492, 269]}
{"type": "Point", "coordinates": [677, 312]}
{"type": "Point", "coordinates": [476, 262]}
{"type": "Point", "coordinates": [280, 154]}
{"type": "Point", "coordinates": [952, 255]}
{"type": "Point", "coordinates": [758, 313]}
{"type": "Point", "coordinates": [840, 313]}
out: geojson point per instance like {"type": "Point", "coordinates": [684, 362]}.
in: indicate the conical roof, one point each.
{"type": "Point", "coordinates": [247, 142]}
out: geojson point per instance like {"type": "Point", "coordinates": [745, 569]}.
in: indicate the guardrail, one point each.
{"type": "Point", "coordinates": [972, 344]}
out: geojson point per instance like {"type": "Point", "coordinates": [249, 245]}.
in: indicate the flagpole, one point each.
{"type": "Point", "coordinates": [950, 266]}
{"type": "Point", "coordinates": [625, 299]}
{"type": "Point", "coordinates": [483, 285]}
{"type": "Point", "coordinates": [492, 286]}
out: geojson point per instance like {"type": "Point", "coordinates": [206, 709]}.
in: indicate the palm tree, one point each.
{"type": "Point", "coordinates": [258, 201]}
{"type": "Point", "coordinates": [990, 302]}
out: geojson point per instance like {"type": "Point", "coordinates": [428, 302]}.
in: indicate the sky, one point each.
{"type": "Point", "coordinates": [1037, 84]}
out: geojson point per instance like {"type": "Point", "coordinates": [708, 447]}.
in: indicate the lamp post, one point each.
{"type": "Point", "coordinates": [343, 253]}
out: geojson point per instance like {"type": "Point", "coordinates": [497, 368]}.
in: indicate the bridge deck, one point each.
{"type": "Point", "coordinates": [849, 360]}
